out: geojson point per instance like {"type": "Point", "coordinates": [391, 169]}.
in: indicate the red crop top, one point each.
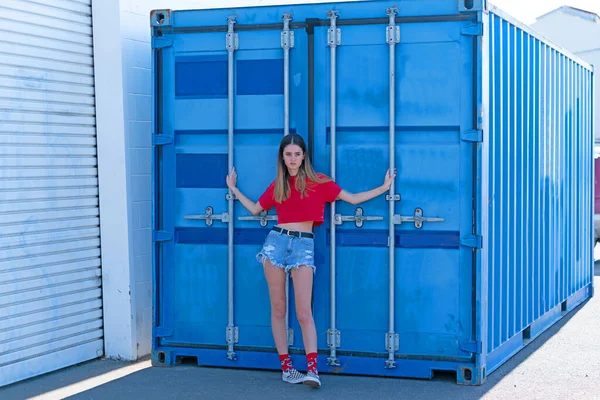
{"type": "Point", "coordinates": [297, 209]}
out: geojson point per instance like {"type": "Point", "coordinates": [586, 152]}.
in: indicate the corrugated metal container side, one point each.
{"type": "Point", "coordinates": [489, 125]}
{"type": "Point", "coordinates": [539, 235]}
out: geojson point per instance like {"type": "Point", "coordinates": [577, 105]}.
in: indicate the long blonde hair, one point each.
{"type": "Point", "coordinates": [306, 170]}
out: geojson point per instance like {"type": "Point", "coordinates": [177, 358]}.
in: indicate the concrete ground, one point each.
{"type": "Point", "coordinates": [563, 363]}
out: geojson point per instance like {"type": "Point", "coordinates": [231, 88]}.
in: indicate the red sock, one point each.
{"type": "Point", "coordinates": [286, 362]}
{"type": "Point", "coordinates": [311, 362]}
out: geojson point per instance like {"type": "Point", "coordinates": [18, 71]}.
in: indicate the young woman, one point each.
{"type": "Point", "coordinates": [299, 195]}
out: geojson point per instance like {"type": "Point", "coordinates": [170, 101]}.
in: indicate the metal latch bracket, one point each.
{"type": "Point", "coordinates": [263, 217]}
{"type": "Point", "coordinates": [210, 216]}
{"type": "Point", "coordinates": [417, 218]}
{"type": "Point", "coordinates": [358, 218]}
{"type": "Point", "coordinates": [161, 236]}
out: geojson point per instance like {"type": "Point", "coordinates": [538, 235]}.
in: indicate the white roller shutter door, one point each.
{"type": "Point", "coordinates": [50, 272]}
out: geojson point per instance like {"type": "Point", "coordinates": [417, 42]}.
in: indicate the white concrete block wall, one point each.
{"type": "Point", "coordinates": [123, 79]}
{"type": "Point", "coordinates": [136, 50]}
{"type": "Point", "coordinates": [119, 329]}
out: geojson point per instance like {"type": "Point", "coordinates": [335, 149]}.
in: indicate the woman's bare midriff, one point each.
{"type": "Point", "coordinates": [306, 226]}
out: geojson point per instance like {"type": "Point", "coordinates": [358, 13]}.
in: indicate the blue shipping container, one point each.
{"type": "Point", "coordinates": [490, 129]}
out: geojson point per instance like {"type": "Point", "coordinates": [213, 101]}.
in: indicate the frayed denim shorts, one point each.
{"type": "Point", "coordinates": [286, 251]}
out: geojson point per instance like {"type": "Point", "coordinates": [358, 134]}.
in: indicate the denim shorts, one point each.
{"type": "Point", "coordinates": [287, 252]}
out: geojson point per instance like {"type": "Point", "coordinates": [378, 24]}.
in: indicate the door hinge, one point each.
{"type": "Point", "coordinates": [161, 236]}
{"type": "Point", "coordinates": [161, 140]}
{"type": "Point", "coordinates": [161, 42]}
{"type": "Point", "coordinates": [474, 241]}
{"type": "Point", "coordinates": [161, 331]}
{"type": "Point", "coordinates": [472, 347]}
{"type": "Point", "coordinates": [334, 34]}
{"type": "Point", "coordinates": [232, 334]}
{"type": "Point", "coordinates": [472, 29]}
{"type": "Point", "coordinates": [474, 135]}
{"type": "Point", "coordinates": [392, 341]}
{"type": "Point", "coordinates": [334, 338]}
{"type": "Point", "coordinates": [232, 39]}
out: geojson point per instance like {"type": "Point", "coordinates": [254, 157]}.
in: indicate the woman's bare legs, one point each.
{"type": "Point", "coordinates": [303, 285]}
{"type": "Point", "coordinates": [276, 282]}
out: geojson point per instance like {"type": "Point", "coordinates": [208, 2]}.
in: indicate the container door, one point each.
{"type": "Point", "coordinates": [433, 216]}
{"type": "Point", "coordinates": [203, 302]}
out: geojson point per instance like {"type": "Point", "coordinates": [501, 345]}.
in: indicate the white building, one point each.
{"type": "Point", "coordinates": [579, 32]}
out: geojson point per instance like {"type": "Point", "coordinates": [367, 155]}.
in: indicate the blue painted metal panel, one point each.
{"type": "Point", "coordinates": [494, 135]}
{"type": "Point", "coordinates": [192, 170]}
{"type": "Point", "coordinates": [201, 77]}
{"type": "Point", "coordinates": [260, 77]}
{"type": "Point", "coordinates": [540, 186]}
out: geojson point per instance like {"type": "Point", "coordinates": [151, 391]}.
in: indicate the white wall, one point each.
{"type": "Point", "coordinates": [135, 42]}
{"type": "Point", "coordinates": [579, 36]}
{"type": "Point", "coordinates": [123, 95]}
{"type": "Point", "coordinates": [119, 330]}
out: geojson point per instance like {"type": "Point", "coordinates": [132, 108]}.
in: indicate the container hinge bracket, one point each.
{"type": "Point", "coordinates": [161, 236]}
{"type": "Point", "coordinates": [392, 30]}
{"type": "Point", "coordinates": [161, 140]}
{"type": "Point", "coordinates": [392, 341]}
{"type": "Point", "coordinates": [160, 18]}
{"type": "Point", "coordinates": [474, 241]}
{"type": "Point", "coordinates": [334, 338]}
{"type": "Point", "coordinates": [474, 135]}
{"type": "Point", "coordinates": [161, 42]}
{"type": "Point", "coordinates": [290, 336]}
{"type": "Point", "coordinates": [334, 34]}
{"type": "Point", "coordinates": [287, 36]}
{"type": "Point", "coordinates": [161, 331]}
{"type": "Point", "coordinates": [472, 29]}
{"type": "Point", "coordinates": [472, 347]}
{"type": "Point", "coordinates": [263, 218]}
{"type": "Point", "coordinates": [358, 218]}
{"type": "Point", "coordinates": [209, 216]}
{"type": "Point", "coordinates": [232, 334]}
{"type": "Point", "coordinates": [232, 38]}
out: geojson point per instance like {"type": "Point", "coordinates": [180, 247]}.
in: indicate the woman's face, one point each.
{"type": "Point", "coordinates": [293, 156]}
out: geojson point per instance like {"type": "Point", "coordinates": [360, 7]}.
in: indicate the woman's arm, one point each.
{"type": "Point", "coordinates": [361, 197]}
{"type": "Point", "coordinates": [251, 206]}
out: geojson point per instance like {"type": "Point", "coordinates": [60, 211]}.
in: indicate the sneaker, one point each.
{"type": "Point", "coordinates": [311, 379]}
{"type": "Point", "coordinates": [292, 376]}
